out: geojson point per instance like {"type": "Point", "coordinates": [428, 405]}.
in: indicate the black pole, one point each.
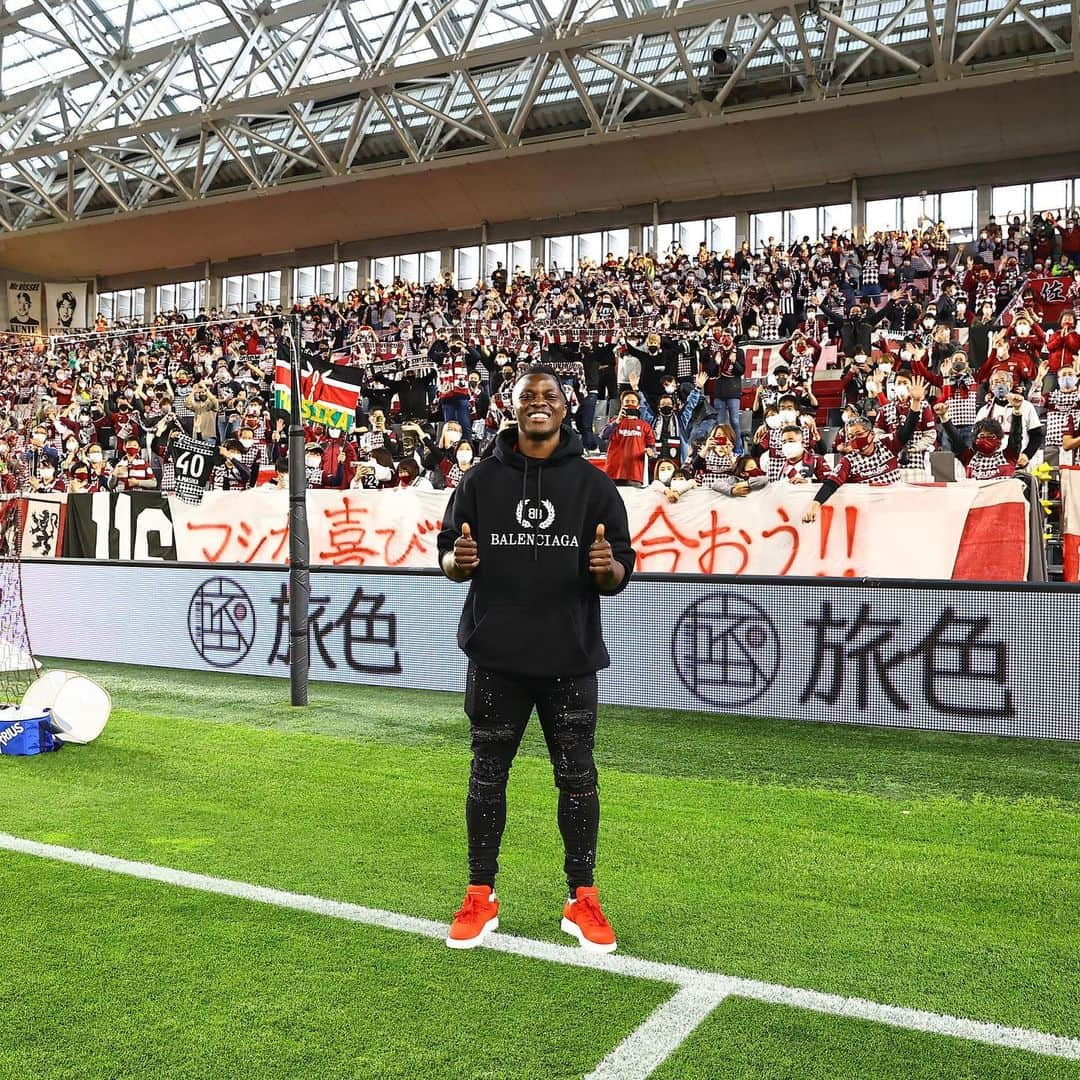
{"type": "Point", "coordinates": [299, 550]}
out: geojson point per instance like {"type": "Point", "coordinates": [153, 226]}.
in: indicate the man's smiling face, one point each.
{"type": "Point", "coordinates": [539, 405]}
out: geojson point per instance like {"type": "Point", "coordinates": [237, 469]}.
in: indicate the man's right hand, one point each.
{"type": "Point", "coordinates": [466, 553]}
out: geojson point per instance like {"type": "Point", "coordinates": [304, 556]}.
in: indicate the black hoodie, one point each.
{"type": "Point", "coordinates": [533, 608]}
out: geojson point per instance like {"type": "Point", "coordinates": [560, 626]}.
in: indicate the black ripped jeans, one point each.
{"type": "Point", "coordinates": [498, 707]}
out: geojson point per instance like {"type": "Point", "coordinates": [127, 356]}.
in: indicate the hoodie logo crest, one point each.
{"type": "Point", "coordinates": [529, 515]}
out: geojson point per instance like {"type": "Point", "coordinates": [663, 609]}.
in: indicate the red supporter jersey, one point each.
{"type": "Point", "coordinates": [626, 450]}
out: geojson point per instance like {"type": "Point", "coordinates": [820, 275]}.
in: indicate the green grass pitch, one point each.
{"type": "Point", "coordinates": [917, 869]}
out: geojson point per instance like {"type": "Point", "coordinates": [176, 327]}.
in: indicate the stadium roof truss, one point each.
{"type": "Point", "coordinates": [118, 105]}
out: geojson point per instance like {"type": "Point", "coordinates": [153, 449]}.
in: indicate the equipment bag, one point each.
{"type": "Point", "coordinates": [26, 736]}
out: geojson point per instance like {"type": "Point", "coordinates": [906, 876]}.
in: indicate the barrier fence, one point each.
{"type": "Point", "coordinates": [948, 656]}
{"type": "Point", "coordinates": [964, 531]}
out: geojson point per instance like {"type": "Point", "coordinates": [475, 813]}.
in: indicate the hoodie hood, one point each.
{"type": "Point", "coordinates": [506, 449]}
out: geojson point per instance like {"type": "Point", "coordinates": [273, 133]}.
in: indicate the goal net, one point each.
{"type": "Point", "coordinates": [18, 668]}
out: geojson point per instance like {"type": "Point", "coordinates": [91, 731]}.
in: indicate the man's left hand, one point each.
{"type": "Point", "coordinates": [606, 570]}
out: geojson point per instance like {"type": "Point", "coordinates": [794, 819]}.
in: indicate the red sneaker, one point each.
{"type": "Point", "coordinates": [583, 918]}
{"type": "Point", "coordinates": [477, 917]}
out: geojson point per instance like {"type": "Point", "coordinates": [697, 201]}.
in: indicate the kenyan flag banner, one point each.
{"type": "Point", "coordinates": [327, 396]}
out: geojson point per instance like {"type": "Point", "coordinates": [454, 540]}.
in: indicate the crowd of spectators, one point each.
{"type": "Point", "coordinates": [936, 345]}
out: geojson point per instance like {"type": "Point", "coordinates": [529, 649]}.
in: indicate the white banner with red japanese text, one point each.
{"type": "Point", "coordinates": [972, 531]}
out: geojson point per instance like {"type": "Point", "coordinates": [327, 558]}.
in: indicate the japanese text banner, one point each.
{"type": "Point", "coordinates": [978, 531]}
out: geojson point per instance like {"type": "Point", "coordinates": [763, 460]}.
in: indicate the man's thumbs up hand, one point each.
{"type": "Point", "coordinates": [600, 557]}
{"type": "Point", "coordinates": [466, 553]}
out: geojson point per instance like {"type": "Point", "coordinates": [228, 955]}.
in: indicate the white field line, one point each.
{"type": "Point", "coordinates": [649, 1046]}
{"type": "Point", "coordinates": [708, 983]}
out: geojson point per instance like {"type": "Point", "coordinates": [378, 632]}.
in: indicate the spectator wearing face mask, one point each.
{"type": "Point", "coordinates": [776, 385]}
{"type": "Point", "coordinates": [374, 470]}
{"type": "Point", "coordinates": [125, 422]}
{"type": "Point", "coordinates": [313, 464]}
{"type": "Point", "coordinates": [48, 479]}
{"type": "Point", "coordinates": [338, 456]}
{"type": "Point", "coordinates": [1063, 344]}
{"type": "Point", "coordinates": [855, 332]}
{"type": "Point", "coordinates": [958, 389]}
{"type": "Point", "coordinates": [1001, 405]}
{"type": "Point", "coordinates": [893, 410]}
{"type": "Point", "coordinates": [453, 383]}
{"type": "Point", "coordinates": [1062, 403]}
{"type": "Point", "coordinates": [900, 312]}
{"type": "Point", "coordinates": [132, 472]}
{"type": "Point", "coordinates": [229, 474]}
{"type": "Point", "coordinates": [870, 457]}
{"type": "Point", "coordinates": [659, 360]}
{"type": "Point", "coordinates": [78, 482]}
{"type": "Point", "coordinates": [853, 379]}
{"type": "Point", "coordinates": [725, 365]}
{"type": "Point", "coordinates": [988, 456]}
{"type": "Point", "coordinates": [408, 475]}
{"type": "Point", "coordinates": [39, 454]}
{"type": "Point", "coordinates": [671, 482]}
{"type": "Point", "coordinates": [717, 466]}
{"type": "Point", "coordinates": [253, 452]}
{"type": "Point", "coordinates": [72, 455]}
{"type": "Point", "coordinates": [1026, 343]}
{"type": "Point", "coordinates": [980, 336]}
{"type": "Point", "coordinates": [630, 439]}
{"type": "Point", "coordinates": [453, 468]}
{"type": "Point", "coordinates": [672, 422]}
{"type": "Point", "coordinates": [945, 302]}
{"type": "Point", "coordinates": [793, 459]}
{"type": "Point", "coordinates": [203, 406]}
{"type": "Point", "coordinates": [789, 414]}
{"type": "Point", "coordinates": [801, 354]}
{"type": "Point", "coordinates": [100, 468]}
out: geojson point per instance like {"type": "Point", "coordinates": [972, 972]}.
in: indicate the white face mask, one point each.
{"type": "Point", "coordinates": [334, 432]}
{"type": "Point", "coordinates": [247, 444]}
{"type": "Point", "coordinates": [46, 474]}
{"type": "Point", "coordinates": [313, 460]}
{"type": "Point", "coordinates": [788, 417]}
{"type": "Point", "coordinates": [773, 422]}
{"type": "Point", "coordinates": [665, 475]}
{"type": "Point", "coordinates": [792, 450]}
{"type": "Point", "coordinates": [885, 369]}
{"type": "Point", "coordinates": [464, 460]}
{"type": "Point", "coordinates": [1022, 330]}
{"type": "Point", "coordinates": [95, 457]}
{"type": "Point", "coordinates": [901, 392]}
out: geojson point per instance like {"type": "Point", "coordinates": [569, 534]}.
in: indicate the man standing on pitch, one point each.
{"type": "Point", "coordinates": [540, 534]}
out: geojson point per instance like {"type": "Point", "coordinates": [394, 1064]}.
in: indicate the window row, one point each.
{"type": "Point", "coordinates": [789, 227]}
{"type": "Point", "coordinates": [958, 209]}
{"type": "Point", "coordinates": [1023, 200]}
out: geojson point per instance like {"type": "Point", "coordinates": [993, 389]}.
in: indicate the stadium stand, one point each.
{"type": "Point", "coordinates": [810, 336]}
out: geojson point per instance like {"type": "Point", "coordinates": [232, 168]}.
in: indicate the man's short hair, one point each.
{"type": "Point", "coordinates": [545, 370]}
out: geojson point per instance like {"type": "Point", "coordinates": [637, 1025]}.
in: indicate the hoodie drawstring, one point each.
{"type": "Point", "coordinates": [539, 506]}
{"type": "Point", "coordinates": [524, 496]}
